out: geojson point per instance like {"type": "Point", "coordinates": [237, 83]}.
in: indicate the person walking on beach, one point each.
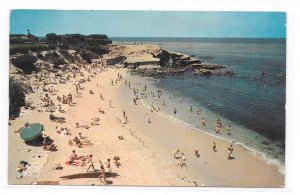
{"type": "Point", "coordinates": [90, 163]}
{"type": "Point", "coordinates": [203, 123]}
{"type": "Point", "coordinates": [110, 103]}
{"type": "Point", "coordinates": [215, 147]}
{"type": "Point", "coordinates": [175, 111]}
{"type": "Point", "coordinates": [148, 118]}
{"type": "Point", "coordinates": [77, 88]}
{"type": "Point", "coordinates": [102, 173]}
{"type": "Point", "coordinates": [197, 153]}
{"type": "Point", "coordinates": [108, 168]}
{"type": "Point", "coordinates": [101, 96]}
{"type": "Point", "coordinates": [230, 150]}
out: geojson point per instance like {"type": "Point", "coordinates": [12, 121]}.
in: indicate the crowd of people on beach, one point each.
{"type": "Point", "coordinates": [88, 161]}
{"type": "Point", "coordinates": [140, 92]}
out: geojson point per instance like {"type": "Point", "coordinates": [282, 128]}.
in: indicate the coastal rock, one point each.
{"type": "Point", "coordinates": [16, 98]}
{"type": "Point", "coordinates": [115, 60]}
{"type": "Point", "coordinates": [25, 63]}
{"type": "Point", "coordinates": [207, 66]}
{"type": "Point", "coordinates": [209, 72]}
{"type": "Point", "coordinates": [203, 72]}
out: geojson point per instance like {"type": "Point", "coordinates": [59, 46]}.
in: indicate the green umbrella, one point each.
{"type": "Point", "coordinates": [31, 132]}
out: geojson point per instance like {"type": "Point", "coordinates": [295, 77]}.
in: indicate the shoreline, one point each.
{"type": "Point", "coordinates": [261, 154]}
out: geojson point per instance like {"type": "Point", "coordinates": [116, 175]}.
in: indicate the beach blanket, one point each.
{"type": "Point", "coordinates": [35, 165]}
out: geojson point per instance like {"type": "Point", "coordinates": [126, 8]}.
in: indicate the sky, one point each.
{"type": "Point", "coordinates": [150, 23]}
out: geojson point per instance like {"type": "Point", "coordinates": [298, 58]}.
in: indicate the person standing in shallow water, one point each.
{"type": "Point", "coordinates": [228, 129]}
{"type": "Point", "coordinates": [175, 111]}
{"type": "Point", "coordinates": [203, 124]}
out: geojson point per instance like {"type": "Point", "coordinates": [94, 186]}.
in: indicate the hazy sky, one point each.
{"type": "Point", "coordinates": [150, 23]}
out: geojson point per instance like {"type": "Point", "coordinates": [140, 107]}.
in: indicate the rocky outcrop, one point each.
{"type": "Point", "coordinates": [209, 72]}
{"type": "Point", "coordinates": [157, 70]}
{"type": "Point", "coordinates": [54, 58]}
{"type": "Point", "coordinates": [151, 60]}
{"type": "Point", "coordinates": [207, 66]}
{"type": "Point", "coordinates": [25, 63]}
{"type": "Point", "coordinates": [169, 58]}
{"type": "Point", "coordinates": [16, 98]}
{"type": "Point", "coordinates": [115, 60]}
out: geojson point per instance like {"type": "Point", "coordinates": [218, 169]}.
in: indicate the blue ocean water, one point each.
{"type": "Point", "coordinates": [252, 101]}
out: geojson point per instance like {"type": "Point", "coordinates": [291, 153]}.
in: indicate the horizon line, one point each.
{"type": "Point", "coordinates": [163, 36]}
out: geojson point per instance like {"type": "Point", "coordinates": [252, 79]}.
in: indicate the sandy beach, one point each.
{"type": "Point", "coordinates": [145, 149]}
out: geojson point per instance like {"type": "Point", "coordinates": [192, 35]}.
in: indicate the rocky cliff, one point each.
{"type": "Point", "coordinates": [152, 60]}
{"type": "Point", "coordinates": [49, 54]}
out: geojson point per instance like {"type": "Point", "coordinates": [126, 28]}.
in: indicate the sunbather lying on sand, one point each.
{"type": "Point", "coordinates": [82, 126]}
{"type": "Point", "coordinates": [56, 119]}
{"type": "Point", "coordinates": [101, 111]}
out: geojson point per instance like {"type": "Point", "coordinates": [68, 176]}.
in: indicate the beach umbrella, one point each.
{"type": "Point", "coordinates": [31, 132]}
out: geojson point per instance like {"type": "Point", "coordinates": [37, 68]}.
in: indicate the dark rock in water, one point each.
{"type": "Point", "coordinates": [203, 72]}
{"type": "Point", "coordinates": [207, 66]}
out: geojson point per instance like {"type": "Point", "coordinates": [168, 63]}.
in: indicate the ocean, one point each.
{"type": "Point", "coordinates": [252, 101]}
